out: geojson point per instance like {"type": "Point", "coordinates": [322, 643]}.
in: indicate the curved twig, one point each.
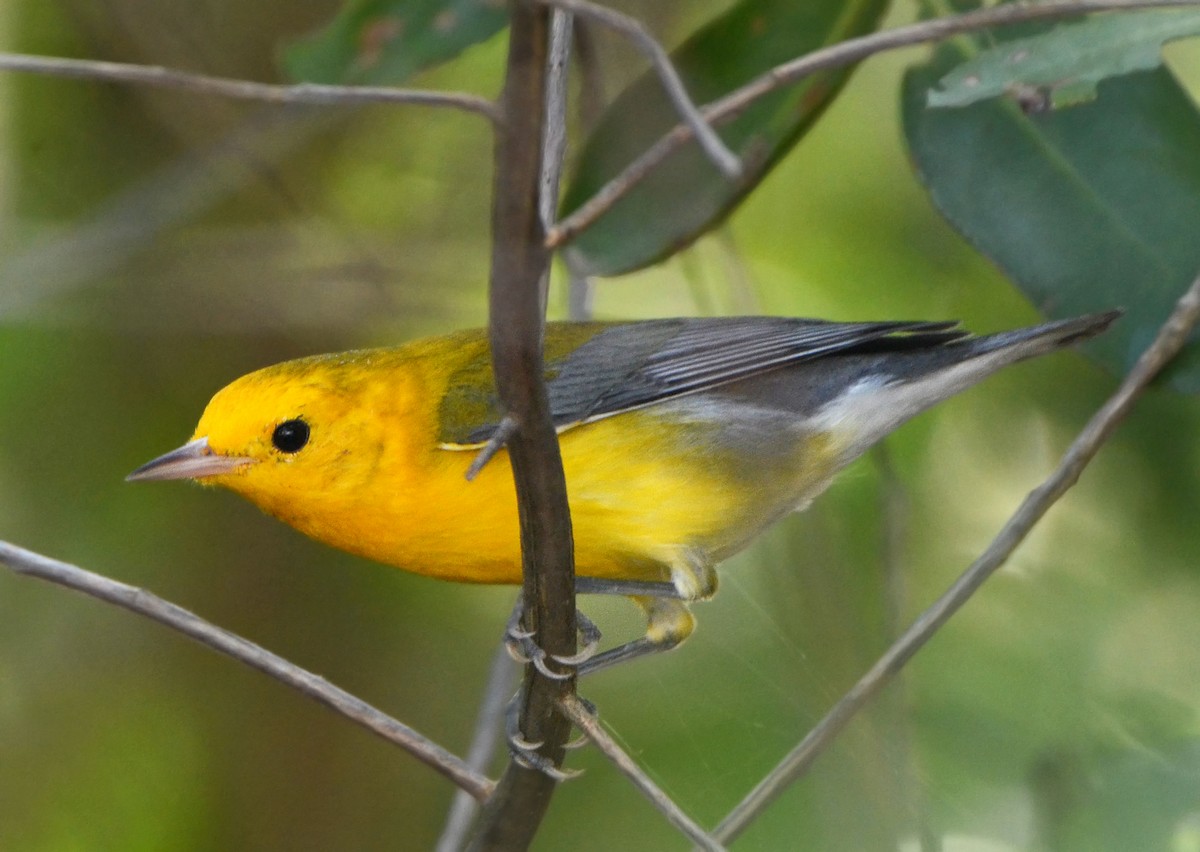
{"type": "Point", "coordinates": [835, 56]}
{"type": "Point", "coordinates": [725, 160]}
{"type": "Point", "coordinates": [164, 612]}
{"type": "Point", "coordinates": [1171, 338]}
{"type": "Point", "coordinates": [577, 712]}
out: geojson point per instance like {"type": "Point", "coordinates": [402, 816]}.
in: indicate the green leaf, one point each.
{"type": "Point", "coordinates": [686, 196]}
{"type": "Point", "coordinates": [1085, 209]}
{"type": "Point", "coordinates": [1067, 62]}
{"type": "Point", "coordinates": [386, 41]}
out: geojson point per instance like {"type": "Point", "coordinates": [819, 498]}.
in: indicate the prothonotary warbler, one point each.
{"type": "Point", "coordinates": [682, 440]}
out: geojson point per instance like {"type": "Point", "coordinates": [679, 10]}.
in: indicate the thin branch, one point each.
{"type": "Point", "coordinates": [577, 712]}
{"type": "Point", "coordinates": [835, 56]}
{"type": "Point", "coordinates": [1171, 338]}
{"type": "Point", "coordinates": [153, 607]}
{"type": "Point", "coordinates": [726, 161]}
{"type": "Point", "coordinates": [313, 94]}
{"type": "Point", "coordinates": [554, 139]}
{"type": "Point", "coordinates": [516, 317]}
{"type": "Point", "coordinates": [488, 724]}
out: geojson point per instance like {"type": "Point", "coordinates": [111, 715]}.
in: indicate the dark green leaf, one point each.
{"type": "Point", "coordinates": [686, 196]}
{"type": "Point", "coordinates": [386, 41]}
{"type": "Point", "coordinates": [1068, 61]}
{"type": "Point", "coordinates": [1085, 209]}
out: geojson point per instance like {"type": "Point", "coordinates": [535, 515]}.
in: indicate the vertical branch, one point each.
{"type": "Point", "coordinates": [463, 808]}
{"type": "Point", "coordinates": [520, 265]}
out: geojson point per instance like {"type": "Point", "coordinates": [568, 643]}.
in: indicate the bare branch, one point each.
{"type": "Point", "coordinates": [835, 56]}
{"type": "Point", "coordinates": [153, 607]}
{"type": "Point", "coordinates": [578, 713]}
{"type": "Point", "coordinates": [726, 161]}
{"type": "Point", "coordinates": [488, 724]}
{"type": "Point", "coordinates": [301, 93]}
{"type": "Point", "coordinates": [516, 316]}
{"type": "Point", "coordinates": [554, 139]}
{"type": "Point", "coordinates": [1171, 338]}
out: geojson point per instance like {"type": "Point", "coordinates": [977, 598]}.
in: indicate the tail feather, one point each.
{"type": "Point", "coordinates": [1029, 342]}
{"type": "Point", "coordinates": [889, 389]}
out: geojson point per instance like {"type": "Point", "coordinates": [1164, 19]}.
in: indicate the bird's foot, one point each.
{"type": "Point", "coordinates": [521, 646]}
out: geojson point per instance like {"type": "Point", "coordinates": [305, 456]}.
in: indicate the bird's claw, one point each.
{"type": "Point", "coordinates": [521, 647]}
{"type": "Point", "coordinates": [590, 635]}
{"type": "Point", "coordinates": [532, 760]}
{"type": "Point", "coordinates": [516, 639]}
{"type": "Point", "coordinates": [539, 662]}
{"type": "Point", "coordinates": [524, 751]}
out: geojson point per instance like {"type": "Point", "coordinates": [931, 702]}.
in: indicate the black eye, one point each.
{"type": "Point", "coordinates": [290, 436]}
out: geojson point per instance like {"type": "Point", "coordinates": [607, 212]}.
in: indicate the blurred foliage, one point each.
{"type": "Point", "coordinates": [387, 41]}
{"type": "Point", "coordinates": [685, 195]}
{"type": "Point", "coordinates": [1084, 208]}
{"type": "Point", "coordinates": [154, 245]}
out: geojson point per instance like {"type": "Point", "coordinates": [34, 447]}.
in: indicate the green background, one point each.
{"type": "Point", "coordinates": [155, 245]}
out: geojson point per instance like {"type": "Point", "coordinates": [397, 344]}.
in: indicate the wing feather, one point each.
{"type": "Point", "coordinates": [632, 365]}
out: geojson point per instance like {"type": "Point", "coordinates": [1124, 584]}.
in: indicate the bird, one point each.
{"type": "Point", "coordinates": [681, 440]}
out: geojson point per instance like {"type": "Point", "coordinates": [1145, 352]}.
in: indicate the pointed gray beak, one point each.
{"type": "Point", "coordinates": [191, 461]}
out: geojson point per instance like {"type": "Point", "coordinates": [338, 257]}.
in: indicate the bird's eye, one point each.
{"type": "Point", "coordinates": [290, 436]}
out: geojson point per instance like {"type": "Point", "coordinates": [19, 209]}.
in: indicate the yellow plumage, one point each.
{"type": "Point", "coordinates": [681, 440]}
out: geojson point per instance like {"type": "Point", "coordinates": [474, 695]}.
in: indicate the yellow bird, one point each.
{"type": "Point", "coordinates": [682, 440]}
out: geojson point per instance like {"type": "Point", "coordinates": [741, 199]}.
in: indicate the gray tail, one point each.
{"type": "Point", "coordinates": [1040, 339]}
{"type": "Point", "coordinates": [917, 380]}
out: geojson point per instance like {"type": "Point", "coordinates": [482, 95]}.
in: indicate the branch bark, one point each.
{"type": "Point", "coordinates": [835, 56]}
{"type": "Point", "coordinates": [578, 712]}
{"type": "Point", "coordinates": [312, 94]}
{"type": "Point", "coordinates": [520, 265]}
{"type": "Point", "coordinates": [725, 161]}
{"type": "Point", "coordinates": [191, 625]}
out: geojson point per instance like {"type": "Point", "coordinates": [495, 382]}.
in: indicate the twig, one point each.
{"type": "Point", "coordinates": [726, 161]}
{"type": "Point", "coordinates": [578, 713]}
{"type": "Point", "coordinates": [835, 56]}
{"type": "Point", "coordinates": [516, 316]}
{"type": "Point", "coordinates": [153, 607]}
{"type": "Point", "coordinates": [1171, 338]}
{"type": "Point", "coordinates": [554, 139]}
{"type": "Point", "coordinates": [488, 724]}
{"type": "Point", "coordinates": [301, 93]}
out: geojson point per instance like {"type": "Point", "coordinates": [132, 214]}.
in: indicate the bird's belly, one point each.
{"type": "Point", "coordinates": [643, 487]}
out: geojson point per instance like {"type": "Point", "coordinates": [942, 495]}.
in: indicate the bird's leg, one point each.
{"type": "Point", "coordinates": [668, 622]}
{"type": "Point", "coordinates": [629, 588]}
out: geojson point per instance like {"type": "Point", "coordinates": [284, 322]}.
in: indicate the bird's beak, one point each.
{"type": "Point", "coordinates": [191, 461]}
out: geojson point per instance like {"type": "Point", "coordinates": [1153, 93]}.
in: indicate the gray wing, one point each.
{"type": "Point", "coordinates": [632, 365]}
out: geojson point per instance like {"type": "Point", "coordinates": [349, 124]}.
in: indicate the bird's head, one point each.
{"type": "Point", "coordinates": [298, 430]}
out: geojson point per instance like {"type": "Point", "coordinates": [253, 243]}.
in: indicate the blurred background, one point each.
{"type": "Point", "coordinates": [154, 245]}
